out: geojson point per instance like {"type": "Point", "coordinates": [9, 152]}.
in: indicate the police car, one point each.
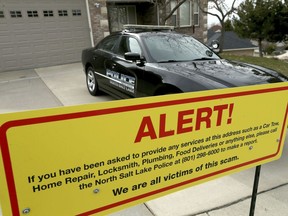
{"type": "Point", "coordinates": [155, 60]}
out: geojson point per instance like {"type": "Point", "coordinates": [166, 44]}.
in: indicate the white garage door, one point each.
{"type": "Point", "coordinates": [37, 33]}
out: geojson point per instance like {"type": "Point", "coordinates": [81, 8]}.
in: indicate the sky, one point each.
{"type": "Point", "coordinates": [213, 19]}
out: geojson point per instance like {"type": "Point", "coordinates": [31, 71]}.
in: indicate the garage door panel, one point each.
{"type": "Point", "coordinates": [36, 37]}
{"type": "Point", "coordinates": [7, 50]}
{"type": "Point", "coordinates": [35, 26]}
{"type": "Point", "coordinates": [66, 46]}
{"type": "Point", "coordinates": [26, 62]}
{"type": "Point", "coordinates": [3, 38]}
{"type": "Point", "coordinates": [43, 60]}
{"type": "Point", "coordinates": [42, 40]}
{"type": "Point", "coordinates": [10, 62]}
{"type": "Point", "coordinates": [39, 47]}
{"type": "Point", "coordinates": [24, 50]}
{"type": "Point", "coordinates": [71, 55]}
{"type": "Point", "coordinates": [82, 44]}
{"type": "Point", "coordinates": [17, 27]}
{"type": "Point", "coordinates": [10, 52]}
{"type": "Point", "coordinates": [56, 57]}
{"type": "Point", "coordinates": [22, 37]}
{"type": "Point", "coordinates": [3, 27]}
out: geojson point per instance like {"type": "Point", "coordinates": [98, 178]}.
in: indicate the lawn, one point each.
{"type": "Point", "coordinates": [272, 63]}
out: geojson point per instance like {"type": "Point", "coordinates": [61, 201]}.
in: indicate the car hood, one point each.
{"type": "Point", "coordinates": [223, 72]}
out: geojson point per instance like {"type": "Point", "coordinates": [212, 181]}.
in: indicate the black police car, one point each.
{"type": "Point", "coordinates": [146, 61]}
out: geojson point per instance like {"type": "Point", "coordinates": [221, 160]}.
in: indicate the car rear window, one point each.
{"type": "Point", "coordinates": [108, 43]}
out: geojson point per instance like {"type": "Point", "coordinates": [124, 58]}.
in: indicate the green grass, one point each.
{"type": "Point", "coordinates": [272, 63]}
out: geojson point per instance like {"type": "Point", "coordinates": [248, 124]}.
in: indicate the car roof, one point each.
{"type": "Point", "coordinates": [139, 29]}
{"type": "Point", "coordinates": [149, 28]}
{"type": "Point", "coordinates": [144, 30]}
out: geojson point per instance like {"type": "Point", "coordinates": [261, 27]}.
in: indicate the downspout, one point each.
{"type": "Point", "coordinates": [89, 23]}
{"type": "Point", "coordinates": [158, 16]}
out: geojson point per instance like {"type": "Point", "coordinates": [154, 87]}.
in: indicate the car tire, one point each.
{"type": "Point", "coordinates": [91, 82]}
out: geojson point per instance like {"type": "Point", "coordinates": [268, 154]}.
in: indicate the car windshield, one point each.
{"type": "Point", "coordinates": [174, 48]}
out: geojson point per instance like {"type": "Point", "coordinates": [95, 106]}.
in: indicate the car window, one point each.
{"type": "Point", "coordinates": [134, 45]}
{"type": "Point", "coordinates": [128, 44]}
{"type": "Point", "coordinates": [108, 43]}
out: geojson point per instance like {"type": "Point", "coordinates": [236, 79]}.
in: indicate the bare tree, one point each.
{"type": "Point", "coordinates": [163, 5]}
{"type": "Point", "coordinates": [222, 11]}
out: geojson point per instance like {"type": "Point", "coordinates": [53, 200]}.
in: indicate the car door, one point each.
{"type": "Point", "coordinates": [123, 74]}
{"type": "Point", "coordinates": [101, 55]}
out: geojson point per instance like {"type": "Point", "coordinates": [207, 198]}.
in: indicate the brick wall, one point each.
{"type": "Point", "coordinates": [99, 19]}
{"type": "Point", "coordinates": [147, 15]}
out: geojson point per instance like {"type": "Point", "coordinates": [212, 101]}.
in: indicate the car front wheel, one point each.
{"type": "Point", "coordinates": [91, 82]}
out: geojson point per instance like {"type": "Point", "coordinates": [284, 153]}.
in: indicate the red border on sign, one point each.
{"type": "Point", "coordinates": [16, 123]}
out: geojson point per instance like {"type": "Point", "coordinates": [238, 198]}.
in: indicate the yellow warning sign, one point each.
{"type": "Point", "coordinates": [99, 158]}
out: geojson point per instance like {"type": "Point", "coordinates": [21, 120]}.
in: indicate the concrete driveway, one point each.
{"type": "Point", "coordinates": [45, 88]}
{"type": "Point", "coordinates": [227, 196]}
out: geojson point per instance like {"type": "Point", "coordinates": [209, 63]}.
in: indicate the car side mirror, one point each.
{"type": "Point", "coordinates": [215, 44]}
{"type": "Point", "coordinates": [130, 56]}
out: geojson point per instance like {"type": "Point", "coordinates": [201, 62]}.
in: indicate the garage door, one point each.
{"type": "Point", "coordinates": [37, 33]}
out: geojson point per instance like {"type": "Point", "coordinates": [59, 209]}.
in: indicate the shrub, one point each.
{"type": "Point", "coordinates": [269, 49]}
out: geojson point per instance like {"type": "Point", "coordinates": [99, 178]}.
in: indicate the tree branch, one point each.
{"type": "Point", "coordinates": [174, 9]}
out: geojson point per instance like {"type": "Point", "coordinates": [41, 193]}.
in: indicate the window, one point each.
{"type": "Point", "coordinates": [129, 44]}
{"type": "Point", "coordinates": [32, 13]}
{"type": "Point", "coordinates": [108, 43]}
{"type": "Point", "coordinates": [48, 13]}
{"type": "Point", "coordinates": [196, 13]}
{"type": "Point", "coordinates": [174, 16]}
{"type": "Point", "coordinates": [62, 12]}
{"type": "Point", "coordinates": [76, 12]}
{"type": "Point", "coordinates": [15, 14]}
{"type": "Point", "coordinates": [1, 14]}
{"type": "Point", "coordinates": [134, 45]}
{"type": "Point", "coordinates": [121, 15]}
{"type": "Point", "coordinates": [183, 15]}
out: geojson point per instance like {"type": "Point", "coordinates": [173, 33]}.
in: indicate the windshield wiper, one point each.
{"type": "Point", "coordinates": [166, 61]}
{"type": "Point", "coordinates": [204, 58]}
{"type": "Point", "coordinates": [171, 60]}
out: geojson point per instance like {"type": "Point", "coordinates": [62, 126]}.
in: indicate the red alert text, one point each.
{"type": "Point", "coordinates": [187, 121]}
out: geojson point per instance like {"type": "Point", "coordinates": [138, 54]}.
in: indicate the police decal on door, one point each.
{"type": "Point", "coordinates": [121, 80]}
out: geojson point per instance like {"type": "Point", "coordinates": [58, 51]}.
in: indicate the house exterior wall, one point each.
{"type": "Point", "coordinates": [99, 19]}
{"type": "Point", "coordinates": [147, 14]}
